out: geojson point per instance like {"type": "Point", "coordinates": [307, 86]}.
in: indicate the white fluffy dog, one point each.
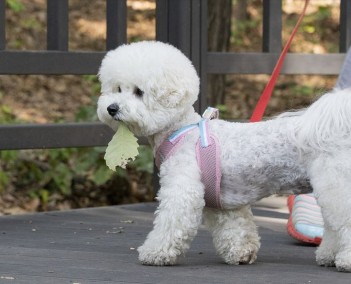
{"type": "Point", "coordinates": [152, 86]}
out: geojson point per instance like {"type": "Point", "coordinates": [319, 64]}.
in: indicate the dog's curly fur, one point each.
{"type": "Point", "coordinates": [153, 86]}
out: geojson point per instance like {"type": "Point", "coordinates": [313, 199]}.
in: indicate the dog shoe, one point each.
{"type": "Point", "coordinates": [305, 221]}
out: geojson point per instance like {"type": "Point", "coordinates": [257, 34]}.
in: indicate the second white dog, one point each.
{"type": "Point", "coordinates": [152, 86]}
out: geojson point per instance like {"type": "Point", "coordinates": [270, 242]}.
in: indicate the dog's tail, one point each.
{"type": "Point", "coordinates": [326, 125]}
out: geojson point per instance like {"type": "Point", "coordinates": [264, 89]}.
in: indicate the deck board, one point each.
{"type": "Point", "coordinates": [98, 245]}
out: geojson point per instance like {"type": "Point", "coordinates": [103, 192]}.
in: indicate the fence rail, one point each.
{"type": "Point", "coordinates": [183, 23]}
{"type": "Point", "coordinates": [263, 63]}
{"type": "Point", "coordinates": [37, 136]}
{"type": "Point", "coordinates": [49, 62]}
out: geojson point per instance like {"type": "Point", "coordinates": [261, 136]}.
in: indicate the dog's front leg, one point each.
{"type": "Point", "coordinates": [177, 219]}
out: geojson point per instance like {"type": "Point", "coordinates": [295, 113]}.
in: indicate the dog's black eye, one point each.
{"type": "Point", "coordinates": [116, 89]}
{"type": "Point", "coordinates": [138, 92]}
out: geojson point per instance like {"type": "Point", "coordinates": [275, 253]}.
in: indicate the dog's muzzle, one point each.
{"type": "Point", "coordinates": [113, 109]}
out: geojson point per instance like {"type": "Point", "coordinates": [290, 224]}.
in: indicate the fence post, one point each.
{"type": "Point", "coordinates": [2, 26]}
{"type": "Point", "coordinates": [183, 23]}
{"type": "Point", "coordinates": [272, 26]}
{"type": "Point", "coordinates": [57, 25]}
{"type": "Point", "coordinates": [345, 25]}
{"type": "Point", "coordinates": [116, 22]}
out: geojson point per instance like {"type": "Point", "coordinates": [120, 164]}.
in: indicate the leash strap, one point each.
{"type": "Point", "coordinates": [266, 95]}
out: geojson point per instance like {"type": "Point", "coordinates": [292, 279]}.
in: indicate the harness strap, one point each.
{"type": "Point", "coordinates": [207, 155]}
{"type": "Point", "coordinates": [170, 145]}
{"type": "Point", "coordinates": [208, 158]}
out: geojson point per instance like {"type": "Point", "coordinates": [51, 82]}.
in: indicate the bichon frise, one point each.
{"type": "Point", "coordinates": [213, 170]}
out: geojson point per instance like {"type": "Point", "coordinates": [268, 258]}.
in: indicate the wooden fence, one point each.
{"type": "Point", "coordinates": [183, 23]}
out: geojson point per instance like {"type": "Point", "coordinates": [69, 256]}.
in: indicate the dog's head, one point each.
{"type": "Point", "coordinates": [147, 85]}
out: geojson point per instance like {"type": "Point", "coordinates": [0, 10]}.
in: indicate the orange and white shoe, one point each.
{"type": "Point", "coordinates": [305, 221]}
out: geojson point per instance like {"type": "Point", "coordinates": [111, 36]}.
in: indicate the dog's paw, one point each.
{"type": "Point", "coordinates": [236, 253]}
{"type": "Point", "coordinates": [325, 257]}
{"type": "Point", "coordinates": [327, 262]}
{"type": "Point", "coordinates": [241, 255]}
{"type": "Point", "coordinates": [234, 250]}
{"type": "Point", "coordinates": [343, 261]}
{"type": "Point", "coordinates": [156, 256]}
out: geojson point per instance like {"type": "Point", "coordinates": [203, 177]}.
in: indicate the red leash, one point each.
{"type": "Point", "coordinates": [267, 93]}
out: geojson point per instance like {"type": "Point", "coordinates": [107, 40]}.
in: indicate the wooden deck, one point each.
{"type": "Point", "coordinates": [99, 246]}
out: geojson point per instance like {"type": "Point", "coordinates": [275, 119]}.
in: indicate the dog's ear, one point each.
{"type": "Point", "coordinates": [171, 98]}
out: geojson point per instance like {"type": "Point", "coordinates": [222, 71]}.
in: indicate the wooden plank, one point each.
{"type": "Point", "coordinates": [2, 25]}
{"type": "Point", "coordinates": [54, 136]}
{"type": "Point", "coordinates": [196, 35]}
{"type": "Point", "coordinates": [199, 48]}
{"type": "Point", "coordinates": [116, 22]}
{"type": "Point", "coordinates": [272, 26]}
{"type": "Point", "coordinates": [55, 62]}
{"type": "Point", "coordinates": [49, 62]}
{"type": "Point", "coordinates": [46, 136]}
{"type": "Point", "coordinates": [179, 33]}
{"type": "Point", "coordinates": [263, 63]}
{"type": "Point", "coordinates": [57, 25]}
{"type": "Point", "coordinates": [345, 25]}
{"type": "Point", "coordinates": [162, 22]}
{"type": "Point", "coordinates": [58, 253]}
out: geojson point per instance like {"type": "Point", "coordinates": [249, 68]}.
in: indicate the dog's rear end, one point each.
{"type": "Point", "coordinates": [323, 135]}
{"type": "Point", "coordinates": [325, 126]}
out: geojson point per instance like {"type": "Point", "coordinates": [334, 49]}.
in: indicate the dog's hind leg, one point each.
{"type": "Point", "coordinates": [331, 181]}
{"type": "Point", "coordinates": [234, 234]}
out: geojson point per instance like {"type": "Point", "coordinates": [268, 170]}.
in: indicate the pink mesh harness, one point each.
{"type": "Point", "coordinates": [207, 154]}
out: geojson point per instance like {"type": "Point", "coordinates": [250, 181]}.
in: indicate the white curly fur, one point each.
{"type": "Point", "coordinates": [290, 153]}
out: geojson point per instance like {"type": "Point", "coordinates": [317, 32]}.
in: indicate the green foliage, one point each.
{"type": "Point", "coordinates": [94, 83]}
{"type": "Point", "coordinates": [50, 173]}
{"type": "Point", "coordinates": [4, 180]}
{"type": "Point", "coordinates": [88, 112]}
{"type": "Point", "coordinates": [15, 5]}
{"type": "Point", "coordinates": [315, 22]}
{"type": "Point", "coordinates": [223, 111]}
{"type": "Point", "coordinates": [323, 13]}
{"type": "Point", "coordinates": [6, 115]}
{"type": "Point", "coordinates": [145, 161]}
{"type": "Point", "coordinates": [303, 90]}
{"type": "Point", "coordinates": [242, 29]}
{"type": "Point", "coordinates": [31, 23]}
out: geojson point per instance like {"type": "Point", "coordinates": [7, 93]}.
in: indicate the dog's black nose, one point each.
{"type": "Point", "coordinates": [113, 109]}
